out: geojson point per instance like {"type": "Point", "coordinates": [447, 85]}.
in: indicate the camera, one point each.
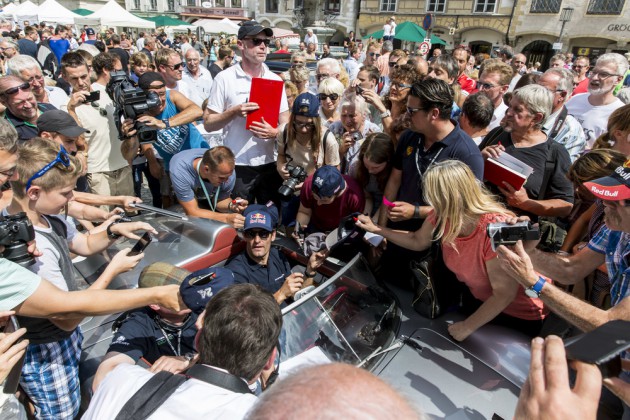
{"type": "Point", "coordinates": [297, 175]}
{"type": "Point", "coordinates": [505, 234]}
{"type": "Point", "coordinates": [356, 136]}
{"type": "Point", "coordinates": [16, 231]}
{"type": "Point", "coordinates": [131, 102]}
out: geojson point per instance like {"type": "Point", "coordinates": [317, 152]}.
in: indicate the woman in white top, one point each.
{"type": "Point", "coordinates": [330, 92]}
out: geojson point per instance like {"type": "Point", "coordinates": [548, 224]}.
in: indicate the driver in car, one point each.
{"type": "Point", "coordinates": [264, 265]}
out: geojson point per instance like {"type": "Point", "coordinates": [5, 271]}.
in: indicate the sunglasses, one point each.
{"type": "Point", "coordinates": [332, 96]}
{"type": "Point", "coordinates": [393, 64]}
{"type": "Point", "coordinates": [485, 86]}
{"type": "Point", "coordinates": [177, 66]}
{"type": "Point", "coordinates": [402, 86]}
{"type": "Point", "coordinates": [62, 158]}
{"type": "Point", "coordinates": [258, 41]}
{"type": "Point", "coordinates": [251, 234]}
{"type": "Point", "coordinates": [301, 126]}
{"type": "Point", "coordinates": [374, 55]}
{"type": "Point", "coordinates": [24, 86]}
{"type": "Point", "coordinates": [320, 77]}
{"type": "Point", "coordinates": [297, 65]}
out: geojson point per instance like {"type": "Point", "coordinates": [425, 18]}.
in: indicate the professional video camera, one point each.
{"type": "Point", "coordinates": [15, 233]}
{"type": "Point", "coordinates": [297, 175]}
{"type": "Point", "coordinates": [505, 234]}
{"type": "Point", "coordinates": [131, 102]}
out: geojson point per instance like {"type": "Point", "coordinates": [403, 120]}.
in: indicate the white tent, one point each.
{"type": "Point", "coordinates": [112, 14]}
{"type": "Point", "coordinates": [51, 11]}
{"type": "Point", "coordinates": [8, 9]}
{"type": "Point", "coordinates": [215, 26]}
{"type": "Point", "coordinates": [26, 11]}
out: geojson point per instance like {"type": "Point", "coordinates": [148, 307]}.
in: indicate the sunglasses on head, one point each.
{"type": "Point", "coordinates": [15, 89]}
{"type": "Point", "coordinates": [62, 157]}
{"type": "Point", "coordinates": [332, 96]}
{"type": "Point", "coordinates": [258, 41]}
{"type": "Point", "coordinates": [251, 234]}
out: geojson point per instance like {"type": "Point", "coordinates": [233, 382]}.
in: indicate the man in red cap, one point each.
{"type": "Point", "coordinates": [611, 245]}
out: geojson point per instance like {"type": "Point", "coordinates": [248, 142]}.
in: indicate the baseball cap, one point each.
{"type": "Point", "coordinates": [56, 121]}
{"type": "Point", "coordinates": [90, 31]}
{"type": "Point", "coordinates": [306, 105]}
{"type": "Point", "coordinates": [259, 216]}
{"type": "Point", "coordinates": [251, 27]}
{"type": "Point", "coordinates": [161, 274]}
{"type": "Point", "coordinates": [144, 82]}
{"type": "Point", "coordinates": [327, 181]}
{"type": "Point", "coordinates": [614, 187]}
{"type": "Point", "coordinates": [199, 287]}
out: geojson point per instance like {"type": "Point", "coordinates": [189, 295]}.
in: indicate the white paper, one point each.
{"type": "Point", "coordinates": [373, 238]}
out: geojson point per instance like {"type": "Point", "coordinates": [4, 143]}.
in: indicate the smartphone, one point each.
{"type": "Point", "coordinates": [93, 96]}
{"type": "Point", "coordinates": [141, 245]}
{"type": "Point", "coordinates": [13, 378]}
{"type": "Point", "coordinates": [601, 347]}
{"type": "Point", "coordinates": [359, 90]}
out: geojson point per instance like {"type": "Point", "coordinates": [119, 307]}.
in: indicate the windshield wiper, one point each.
{"type": "Point", "coordinates": [397, 344]}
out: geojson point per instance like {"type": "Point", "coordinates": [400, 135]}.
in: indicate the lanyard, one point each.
{"type": "Point", "coordinates": [420, 172]}
{"type": "Point", "coordinates": [168, 341]}
{"type": "Point", "coordinates": [205, 191]}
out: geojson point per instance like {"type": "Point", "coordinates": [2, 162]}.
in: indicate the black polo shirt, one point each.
{"type": "Point", "coordinates": [25, 129]}
{"type": "Point", "coordinates": [413, 160]}
{"type": "Point", "coordinates": [270, 276]}
{"type": "Point", "coordinates": [141, 335]}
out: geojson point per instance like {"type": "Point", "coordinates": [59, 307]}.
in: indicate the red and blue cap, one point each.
{"type": "Point", "coordinates": [614, 187]}
{"type": "Point", "coordinates": [258, 216]}
{"type": "Point", "coordinates": [199, 287]}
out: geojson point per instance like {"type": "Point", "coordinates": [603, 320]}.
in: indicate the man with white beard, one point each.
{"type": "Point", "coordinates": [592, 109]}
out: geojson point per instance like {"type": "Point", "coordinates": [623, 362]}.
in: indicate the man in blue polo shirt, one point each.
{"type": "Point", "coordinates": [207, 175]}
{"type": "Point", "coordinates": [265, 265]}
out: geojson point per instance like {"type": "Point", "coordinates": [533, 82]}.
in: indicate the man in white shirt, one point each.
{"type": "Point", "coordinates": [196, 77]}
{"type": "Point", "coordinates": [140, 41]}
{"type": "Point", "coordinates": [494, 81]}
{"type": "Point", "coordinates": [592, 109]}
{"type": "Point", "coordinates": [310, 37]}
{"type": "Point", "coordinates": [257, 179]}
{"type": "Point", "coordinates": [389, 29]}
{"type": "Point", "coordinates": [247, 321]}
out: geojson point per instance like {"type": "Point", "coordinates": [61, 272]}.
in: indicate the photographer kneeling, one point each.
{"type": "Point", "coordinates": [462, 210]}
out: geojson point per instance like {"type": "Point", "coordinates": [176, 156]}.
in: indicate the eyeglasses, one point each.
{"type": "Point", "coordinates": [9, 173]}
{"type": "Point", "coordinates": [577, 66]}
{"type": "Point", "coordinates": [393, 64]}
{"type": "Point", "coordinates": [177, 66]}
{"type": "Point", "coordinates": [62, 158]}
{"type": "Point", "coordinates": [332, 96]}
{"type": "Point", "coordinates": [251, 234]}
{"type": "Point", "coordinates": [485, 86]}
{"type": "Point", "coordinates": [297, 65]}
{"type": "Point", "coordinates": [320, 77]}
{"type": "Point", "coordinates": [301, 126]}
{"type": "Point", "coordinates": [24, 86]}
{"type": "Point", "coordinates": [411, 111]}
{"type": "Point", "coordinates": [34, 78]}
{"type": "Point", "coordinates": [374, 55]}
{"type": "Point", "coordinates": [402, 86]}
{"type": "Point", "coordinates": [602, 75]}
{"type": "Point", "coordinates": [258, 41]}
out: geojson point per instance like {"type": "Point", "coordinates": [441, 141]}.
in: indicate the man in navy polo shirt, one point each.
{"type": "Point", "coordinates": [264, 265]}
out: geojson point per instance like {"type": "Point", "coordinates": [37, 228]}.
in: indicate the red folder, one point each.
{"type": "Point", "coordinates": [498, 171]}
{"type": "Point", "coordinates": [268, 95]}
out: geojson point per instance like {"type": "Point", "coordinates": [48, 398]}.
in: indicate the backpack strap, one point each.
{"type": "Point", "coordinates": [492, 138]}
{"type": "Point", "coordinates": [150, 396]}
{"type": "Point", "coordinates": [550, 164]}
{"type": "Point", "coordinates": [325, 144]}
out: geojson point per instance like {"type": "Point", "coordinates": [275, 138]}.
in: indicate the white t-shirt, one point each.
{"type": "Point", "coordinates": [594, 119]}
{"type": "Point", "coordinates": [199, 88]}
{"type": "Point", "coordinates": [231, 87]}
{"type": "Point", "coordinates": [192, 400]}
{"type": "Point", "coordinates": [310, 39]}
{"type": "Point", "coordinates": [103, 143]}
{"type": "Point", "coordinates": [140, 44]}
{"type": "Point", "coordinates": [57, 96]}
{"type": "Point", "coordinates": [499, 113]}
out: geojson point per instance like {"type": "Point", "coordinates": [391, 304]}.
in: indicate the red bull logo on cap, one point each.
{"type": "Point", "coordinates": [258, 218]}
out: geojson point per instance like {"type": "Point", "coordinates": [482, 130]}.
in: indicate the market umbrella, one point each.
{"type": "Point", "coordinates": [83, 12]}
{"type": "Point", "coordinates": [164, 20]}
{"type": "Point", "coordinates": [408, 31]}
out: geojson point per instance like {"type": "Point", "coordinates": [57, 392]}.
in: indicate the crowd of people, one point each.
{"type": "Point", "coordinates": [401, 140]}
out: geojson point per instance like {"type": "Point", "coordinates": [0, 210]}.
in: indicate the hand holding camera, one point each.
{"type": "Point", "coordinates": [296, 176]}
{"type": "Point", "coordinates": [511, 233]}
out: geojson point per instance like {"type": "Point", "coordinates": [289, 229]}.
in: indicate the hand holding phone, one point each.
{"type": "Point", "coordinates": [141, 245]}
{"type": "Point", "coordinates": [93, 96]}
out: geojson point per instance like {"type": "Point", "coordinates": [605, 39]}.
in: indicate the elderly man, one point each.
{"type": "Point", "coordinates": [494, 81]}
{"type": "Point", "coordinates": [519, 66]}
{"type": "Point", "coordinates": [9, 49]}
{"type": "Point", "coordinates": [610, 245]}
{"type": "Point", "coordinates": [560, 126]}
{"type": "Point", "coordinates": [310, 37]}
{"type": "Point", "coordinates": [28, 69]}
{"type": "Point", "coordinates": [257, 179]}
{"type": "Point", "coordinates": [327, 67]}
{"type": "Point", "coordinates": [592, 109]}
{"type": "Point", "coordinates": [170, 65]}
{"type": "Point", "coordinates": [22, 109]}
{"type": "Point", "coordinates": [197, 78]}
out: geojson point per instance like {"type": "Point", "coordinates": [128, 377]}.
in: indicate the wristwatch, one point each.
{"type": "Point", "coordinates": [110, 234]}
{"type": "Point", "coordinates": [166, 123]}
{"type": "Point", "coordinates": [386, 114]}
{"type": "Point", "coordinates": [535, 290]}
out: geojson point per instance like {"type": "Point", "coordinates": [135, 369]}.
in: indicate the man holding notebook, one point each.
{"type": "Point", "coordinates": [228, 107]}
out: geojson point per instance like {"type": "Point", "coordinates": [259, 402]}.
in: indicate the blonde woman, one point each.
{"type": "Point", "coordinates": [462, 209]}
{"type": "Point", "coordinates": [299, 76]}
{"type": "Point", "coordinates": [330, 92]}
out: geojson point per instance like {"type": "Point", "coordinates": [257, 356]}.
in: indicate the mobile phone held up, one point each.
{"type": "Point", "coordinates": [13, 378]}
{"type": "Point", "coordinates": [93, 96]}
{"type": "Point", "coordinates": [141, 245]}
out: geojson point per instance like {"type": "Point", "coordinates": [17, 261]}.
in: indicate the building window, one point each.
{"type": "Point", "coordinates": [136, 4]}
{"type": "Point", "coordinates": [388, 5]}
{"type": "Point", "coordinates": [485, 6]}
{"type": "Point", "coordinates": [605, 7]}
{"type": "Point", "coordinates": [271, 6]}
{"type": "Point", "coordinates": [153, 4]}
{"type": "Point", "coordinates": [191, 3]}
{"type": "Point", "coordinates": [436, 6]}
{"type": "Point", "coordinates": [332, 6]}
{"type": "Point", "coordinates": [170, 4]}
{"type": "Point", "coordinates": [219, 3]}
{"type": "Point", "coordinates": [545, 6]}
{"type": "Point", "coordinates": [237, 4]}
{"type": "Point", "coordinates": [298, 4]}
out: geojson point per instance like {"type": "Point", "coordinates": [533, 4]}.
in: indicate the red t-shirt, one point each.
{"type": "Point", "coordinates": [466, 83]}
{"type": "Point", "coordinates": [327, 217]}
{"type": "Point", "coordinates": [468, 263]}
{"type": "Point", "coordinates": [582, 87]}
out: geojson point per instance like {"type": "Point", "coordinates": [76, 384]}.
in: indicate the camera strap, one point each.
{"type": "Point", "coordinates": [213, 207]}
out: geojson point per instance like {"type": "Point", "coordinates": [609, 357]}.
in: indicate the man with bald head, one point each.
{"type": "Point", "coordinates": [197, 78]}
{"type": "Point", "coordinates": [335, 390]}
{"type": "Point", "coordinates": [519, 65]}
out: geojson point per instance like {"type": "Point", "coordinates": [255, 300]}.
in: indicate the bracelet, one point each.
{"type": "Point", "coordinates": [111, 234]}
{"type": "Point", "coordinates": [416, 212]}
{"type": "Point", "coordinates": [310, 275]}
